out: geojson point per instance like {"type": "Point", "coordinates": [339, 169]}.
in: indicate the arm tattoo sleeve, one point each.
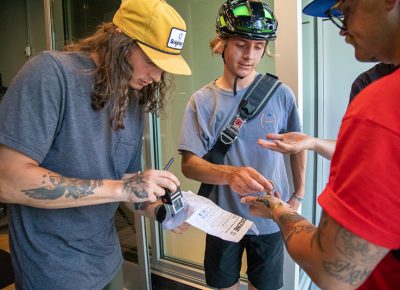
{"type": "Point", "coordinates": [58, 186]}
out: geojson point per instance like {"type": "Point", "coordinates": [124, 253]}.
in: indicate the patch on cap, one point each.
{"type": "Point", "coordinates": [176, 38]}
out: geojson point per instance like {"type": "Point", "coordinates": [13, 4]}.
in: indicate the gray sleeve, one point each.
{"type": "Point", "coordinates": [191, 138]}
{"type": "Point", "coordinates": [31, 107]}
{"type": "Point", "coordinates": [293, 123]}
{"type": "Point", "coordinates": [195, 135]}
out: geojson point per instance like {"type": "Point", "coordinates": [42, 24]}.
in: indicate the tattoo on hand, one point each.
{"type": "Point", "coordinates": [135, 185]}
{"type": "Point", "coordinates": [59, 186]}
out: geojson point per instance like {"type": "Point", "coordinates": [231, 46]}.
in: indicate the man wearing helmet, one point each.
{"type": "Point", "coordinates": [243, 31]}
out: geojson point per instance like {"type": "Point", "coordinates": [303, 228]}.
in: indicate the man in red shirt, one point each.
{"type": "Point", "coordinates": [356, 243]}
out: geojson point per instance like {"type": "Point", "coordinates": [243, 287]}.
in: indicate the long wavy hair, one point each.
{"type": "Point", "coordinates": [113, 72]}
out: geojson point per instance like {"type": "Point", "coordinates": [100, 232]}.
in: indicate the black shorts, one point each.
{"type": "Point", "coordinates": [223, 261]}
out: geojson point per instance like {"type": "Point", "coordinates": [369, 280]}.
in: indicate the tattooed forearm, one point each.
{"type": "Point", "coordinates": [135, 185]}
{"type": "Point", "coordinates": [288, 222]}
{"type": "Point", "coordinates": [346, 271]}
{"type": "Point", "coordinates": [289, 218]}
{"type": "Point", "coordinates": [297, 230]}
{"type": "Point", "coordinates": [55, 187]}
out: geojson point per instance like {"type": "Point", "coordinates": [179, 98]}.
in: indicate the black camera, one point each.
{"type": "Point", "coordinates": [173, 200]}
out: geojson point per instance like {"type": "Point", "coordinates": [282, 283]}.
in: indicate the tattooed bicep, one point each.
{"type": "Point", "coordinates": [356, 248]}
{"type": "Point", "coordinates": [350, 259]}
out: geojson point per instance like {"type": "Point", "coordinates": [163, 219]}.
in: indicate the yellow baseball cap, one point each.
{"type": "Point", "coordinates": [159, 31]}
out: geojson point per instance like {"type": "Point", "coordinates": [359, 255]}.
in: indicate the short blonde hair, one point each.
{"type": "Point", "coordinates": [218, 44]}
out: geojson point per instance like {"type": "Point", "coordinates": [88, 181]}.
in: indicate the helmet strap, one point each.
{"type": "Point", "coordinates": [235, 85]}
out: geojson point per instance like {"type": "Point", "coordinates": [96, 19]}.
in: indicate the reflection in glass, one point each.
{"type": "Point", "coordinates": [76, 19]}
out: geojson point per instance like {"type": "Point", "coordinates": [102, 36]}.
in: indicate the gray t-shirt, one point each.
{"type": "Point", "coordinates": [207, 113]}
{"type": "Point", "coordinates": [46, 114]}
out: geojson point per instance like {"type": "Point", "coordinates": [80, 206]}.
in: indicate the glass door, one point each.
{"type": "Point", "coordinates": [22, 35]}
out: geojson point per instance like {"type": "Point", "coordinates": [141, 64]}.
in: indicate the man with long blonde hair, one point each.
{"type": "Point", "coordinates": [71, 127]}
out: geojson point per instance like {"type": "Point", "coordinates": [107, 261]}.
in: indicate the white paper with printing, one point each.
{"type": "Point", "coordinates": [205, 215]}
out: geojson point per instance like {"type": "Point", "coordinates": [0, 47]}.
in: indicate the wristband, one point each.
{"type": "Point", "coordinates": [279, 204]}
{"type": "Point", "coordinates": [160, 212]}
{"type": "Point", "coordinates": [300, 199]}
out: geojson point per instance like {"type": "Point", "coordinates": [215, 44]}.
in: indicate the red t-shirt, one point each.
{"type": "Point", "coordinates": [363, 192]}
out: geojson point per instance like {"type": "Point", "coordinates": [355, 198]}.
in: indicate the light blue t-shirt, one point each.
{"type": "Point", "coordinates": [208, 112]}
{"type": "Point", "coordinates": [47, 115]}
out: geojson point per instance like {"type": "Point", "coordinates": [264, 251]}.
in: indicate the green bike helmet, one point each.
{"type": "Point", "coordinates": [251, 19]}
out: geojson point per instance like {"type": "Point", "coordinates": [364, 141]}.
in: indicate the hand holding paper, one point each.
{"type": "Point", "coordinates": [205, 215]}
